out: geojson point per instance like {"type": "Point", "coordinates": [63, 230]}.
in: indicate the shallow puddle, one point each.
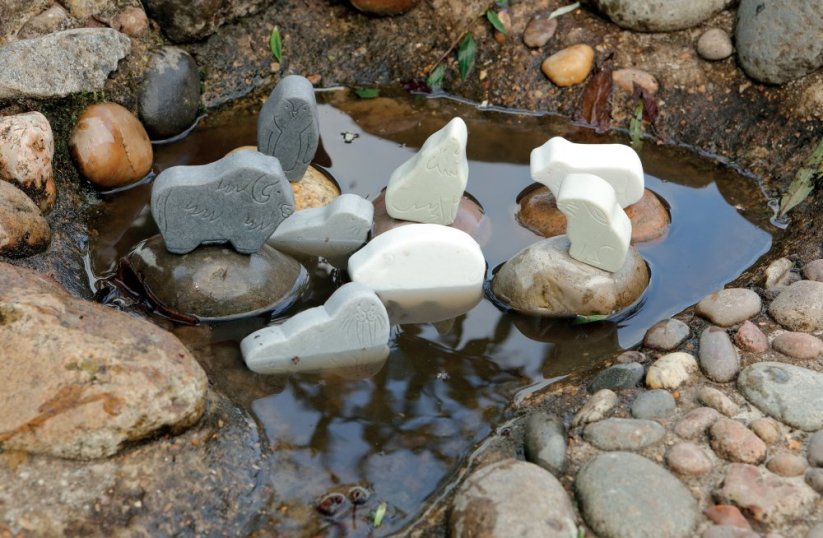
{"type": "Point", "coordinates": [400, 428]}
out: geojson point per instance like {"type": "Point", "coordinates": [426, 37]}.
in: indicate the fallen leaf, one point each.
{"type": "Point", "coordinates": [595, 104]}
{"type": "Point", "coordinates": [276, 45]}
{"type": "Point", "coordinates": [804, 181]}
{"type": "Point", "coordinates": [466, 54]}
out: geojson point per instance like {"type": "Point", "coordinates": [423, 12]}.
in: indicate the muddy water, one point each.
{"type": "Point", "coordinates": [398, 429]}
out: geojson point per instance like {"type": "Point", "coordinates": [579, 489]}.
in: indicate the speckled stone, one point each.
{"type": "Point", "coordinates": [799, 307]}
{"type": "Point", "coordinates": [695, 423]}
{"type": "Point", "coordinates": [730, 306]}
{"type": "Point", "coordinates": [623, 433]}
{"type": "Point", "coordinates": [789, 393]}
{"type": "Point", "coordinates": [653, 404]}
{"type": "Point", "coordinates": [688, 459]}
{"type": "Point", "coordinates": [802, 346]}
{"type": "Point", "coordinates": [619, 376]}
{"type": "Point", "coordinates": [715, 44]}
{"type": "Point", "coordinates": [718, 357]}
{"type": "Point", "coordinates": [666, 335]}
{"type": "Point", "coordinates": [734, 442]}
{"type": "Point", "coordinates": [749, 337]}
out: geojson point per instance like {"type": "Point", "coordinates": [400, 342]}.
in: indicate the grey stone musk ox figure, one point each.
{"type": "Point", "coordinates": [287, 126]}
{"type": "Point", "coordinates": [240, 199]}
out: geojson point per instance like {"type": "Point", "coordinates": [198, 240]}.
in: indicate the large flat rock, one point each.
{"type": "Point", "coordinates": [791, 394]}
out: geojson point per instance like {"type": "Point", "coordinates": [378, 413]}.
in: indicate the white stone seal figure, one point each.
{"type": "Point", "coordinates": [428, 187]}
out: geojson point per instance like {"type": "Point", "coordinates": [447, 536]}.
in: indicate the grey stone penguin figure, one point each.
{"type": "Point", "coordinates": [288, 126]}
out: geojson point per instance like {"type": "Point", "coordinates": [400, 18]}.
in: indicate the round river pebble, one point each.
{"type": "Point", "coordinates": [688, 459]}
{"type": "Point", "coordinates": [666, 335]}
{"type": "Point", "coordinates": [718, 356]}
{"type": "Point", "coordinates": [734, 442]}
{"type": "Point", "coordinates": [802, 346]}
{"type": "Point", "coordinates": [623, 433]}
{"type": "Point", "coordinates": [670, 371]}
{"type": "Point", "coordinates": [749, 337]}
{"type": "Point", "coordinates": [570, 66]}
{"type": "Point", "coordinates": [715, 44]}
{"type": "Point", "coordinates": [649, 502]}
{"type": "Point", "coordinates": [767, 429]}
{"type": "Point", "coordinates": [730, 306]}
{"type": "Point", "coordinates": [791, 394]}
{"type": "Point", "coordinates": [619, 376]}
{"type": "Point", "coordinates": [653, 404]}
{"type": "Point", "coordinates": [799, 307]}
{"type": "Point", "coordinates": [787, 465]}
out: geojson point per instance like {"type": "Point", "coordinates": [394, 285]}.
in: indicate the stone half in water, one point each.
{"type": "Point", "coordinates": [215, 283]}
{"type": "Point", "coordinates": [543, 280]}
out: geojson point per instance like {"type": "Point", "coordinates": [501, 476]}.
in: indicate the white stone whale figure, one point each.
{"type": "Point", "coordinates": [617, 164]}
{"type": "Point", "coordinates": [350, 330]}
{"type": "Point", "coordinates": [423, 273]}
{"type": "Point", "coordinates": [427, 188]}
{"type": "Point", "coordinates": [333, 232]}
{"type": "Point", "coordinates": [599, 230]}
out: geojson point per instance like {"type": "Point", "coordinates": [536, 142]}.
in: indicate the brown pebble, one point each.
{"type": "Point", "coordinates": [625, 79]}
{"type": "Point", "coordinates": [688, 459]}
{"type": "Point", "coordinates": [539, 31]}
{"type": "Point", "coordinates": [696, 422]}
{"type": "Point", "coordinates": [470, 218]}
{"type": "Point", "coordinates": [787, 465]}
{"type": "Point", "coordinates": [734, 442]}
{"type": "Point", "coordinates": [798, 345]}
{"type": "Point", "coordinates": [749, 337]}
{"type": "Point", "coordinates": [727, 514]}
{"type": "Point", "coordinates": [814, 270]}
{"type": "Point", "coordinates": [110, 146]}
{"type": "Point", "coordinates": [384, 7]}
{"type": "Point", "coordinates": [132, 21]}
{"type": "Point", "coordinates": [570, 66]}
{"type": "Point", "coordinates": [23, 230]}
{"type": "Point", "coordinates": [767, 429]}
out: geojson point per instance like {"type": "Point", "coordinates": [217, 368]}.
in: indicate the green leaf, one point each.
{"type": "Point", "coordinates": [581, 533]}
{"type": "Point", "coordinates": [563, 10]}
{"type": "Point", "coordinates": [466, 54]}
{"type": "Point", "coordinates": [276, 44]}
{"type": "Point", "coordinates": [435, 78]}
{"type": "Point", "coordinates": [502, 4]}
{"type": "Point", "coordinates": [496, 22]}
{"type": "Point", "coordinates": [367, 93]}
{"type": "Point", "coordinates": [582, 320]}
{"type": "Point", "coordinates": [636, 127]}
{"type": "Point", "coordinates": [804, 181]}
{"type": "Point", "coordinates": [379, 514]}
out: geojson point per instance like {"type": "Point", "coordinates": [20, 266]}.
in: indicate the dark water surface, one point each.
{"type": "Point", "coordinates": [400, 429]}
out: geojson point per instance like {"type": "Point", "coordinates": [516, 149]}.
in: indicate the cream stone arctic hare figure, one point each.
{"type": "Point", "coordinates": [428, 187]}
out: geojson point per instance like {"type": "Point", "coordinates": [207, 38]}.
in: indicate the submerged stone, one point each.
{"type": "Point", "coordinates": [215, 282]}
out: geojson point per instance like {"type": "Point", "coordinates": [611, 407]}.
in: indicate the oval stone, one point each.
{"type": "Point", "coordinates": [170, 93]}
{"type": "Point", "coordinates": [791, 394]}
{"type": "Point", "coordinates": [23, 230]}
{"type": "Point", "coordinates": [215, 282]}
{"type": "Point", "coordinates": [569, 66]}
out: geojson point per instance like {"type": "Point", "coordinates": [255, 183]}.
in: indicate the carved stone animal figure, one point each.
{"type": "Point", "coordinates": [240, 199]}
{"type": "Point", "coordinates": [287, 126]}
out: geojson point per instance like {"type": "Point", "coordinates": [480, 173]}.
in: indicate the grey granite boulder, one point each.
{"type": "Point", "coordinates": [59, 64]}
{"type": "Point", "coordinates": [240, 199]}
{"type": "Point", "coordinates": [791, 394]}
{"type": "Point", "coordinates": [288, 127]}
{"type": "Point", "coordinates": [187, 20]}
{"type": "Point", "coordinates": [658, 15]}
{"type": "Point", "coordinates": [170, 94]}
{"type": "Point", "coordinates": [779, 41]}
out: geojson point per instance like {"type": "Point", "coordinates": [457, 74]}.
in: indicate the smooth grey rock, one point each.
{"type": "Point", "coordinates": [779, 41]}
{"type": "Point", "coordinates": [814, 450]}
{"type": "Point", "coordinates": [799, 307]}
{"type": "Point", "coordinates": [512, 498]}
{"type": "Point", "coordinates": [60, 64]}
{"type": "Point", "coordinates": [215, 283]}
{"type": "Point", "coordinates": [240, 199]}
{"type": "Point", "coordinates": [596, 407]}
{"type": "Point", "coordinates": [657, 403]}
{"type": "Point", "coordinates": [334, 232]}
{"type": "Point", "coordinates": [730, 306]}
{"type": "Point", "coordinates": [656, 16]}
{"type": "Point", "coordinates": [288, 127]}
{"type": "Point", "coordinates": [350, 329]}
{"type": "Point", "coordinates": [666, 335]}
{"type": "Point", "coordinates": [184, 20]}
{"type": "Point", "coordinates": [623, 495]}
{"type": "Point", "coordinates": [816, 531]}
{"type": "Point", "coordinates": [623, 433]}
{"type": "Point", "coordinates": [791, 394]}
{"type": "Point", "coordinates": [545, 441]}
{"type": "Point", "coordinates": [619, 376]}
{"type": "Point", "coordinates": [576, 288]}
{"type": "Point", "coordinates": [814, 478]}
{"type": "Point", "coordinates": [170, 93]}
{"type": "Point", "coordinates": [718, 356]}
{"type": "Point", "coordinates": [715, 44]}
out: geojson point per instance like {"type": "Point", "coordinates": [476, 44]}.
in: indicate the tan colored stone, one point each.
{"type": "Point", "coordinates": [110, 146]}
{"type": "Point", "coordinates": [570, 66]}
{"type": "Point", "coordinates": [316, 189]}
{"type": "Point", "coordinates": [79, 380]}
{"type": "Point", "coordinates": [384, 7]}
{"type": "Point", "coordinates": [26, 151]}
{"type": "Point", "coordinates": [132, 21]}
{"type": "Point", "coordinates": [625, 79]}
{"type": "Point", "coordinates": [23, 230]}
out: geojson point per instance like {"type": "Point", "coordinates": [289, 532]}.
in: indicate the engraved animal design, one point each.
{"type": "Point", "coordinates": [289, 136]}
{"type": "Point", "coordinates": [365, 323]}
{"type": "Point", "coordinates": [585, 249]}
{"type": "Point", "coordinates": [240, 200]}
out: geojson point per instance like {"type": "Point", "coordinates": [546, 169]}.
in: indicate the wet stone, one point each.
{"type": "Point", "coordinates": [768, 498]}
{"type": "Point", "coordinates": [730, 306]}
{"type": "Point", "coordinates": [623, 433]}
{"type": "Point", "coordinates": [569, 66]}
{"type": "Point", "coordinates": [649, 502]}
{"type": "Point", "coordinates": [767, 429]}
{"type": "Point", "coordinates": [799, 307]}
{"type": "Point", "coordinates": [596, 408]}
{"type": "Point", "coordinates": [240, 199]}
{"type": "Point", "coordinates": [23, 230]}
{"type": "Point", "coordinates": [787, 465]}
{"type": "Point", "coordinates": [619, 376]}
{"type": "Point", "coordinates": [714, 44]}
{"type": "Point", "coordinates": [539, 31]}
{"type": "Point", "coordinates": [315, 189]}
{"type": "Point", "coordinates": [670, 371]}
{"type": "Point", "coordinates": [801, 346]}
{"type": "Point", "coordinates": [653, 404]}
{"type": "Point", "coordinates": [688, 459]}
{"type": "Point", "coordinates": [545, 441]}
{"type": "Point", "coordinates": [512, 498]}
{"type": "Point", "coordinates": [215, 282]}
{"type": "Point", "coordinates": [170, 93]}
{"type": "Point", "coordinates": [666, 335]}
{"type": "Point", "coordinates": [749, 337]}
{"type": "Point", "coordinates": [288, 126]}
{"type": "Point", "coordinates": [814, 478]}
{"type": "Point", "coordinates": [814, 270]}
{"type": "Point", "coordinates": [696, 422]}
{"type": "Point", "coordinates": [791, 394]}
{"type": "Point", "coordinates": [718, 357]}
{"type": "Point", "coordinates": [814, 450]}
{"type": "Point", "coordinates": [726, 514]}
{"type": "Point", "coordinates": [734, 442]}
{"type": "Point", "coordinates": [711, 397]}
